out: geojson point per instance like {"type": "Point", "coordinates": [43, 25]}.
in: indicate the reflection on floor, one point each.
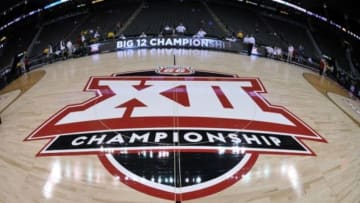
{"type": "Point", "coordinates": [337, 94]}
{"type": "Point", "coordinates": [324, 85]}
{"type": "Point", "coordinates": [22, 84]}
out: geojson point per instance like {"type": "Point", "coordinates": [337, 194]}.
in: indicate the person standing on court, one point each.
{"type": "Point", "coordinates": [290, 53]}
{"type": "Point", "coordinates": [63, 49]}
{"type": "Point", "coordinates": [300, 53]}
{"type": "Point", "coordinates": [69, 47]}
{"type": "Point", "coordinates": [246, 42]}
{"type": "Point", "coordinates": [251, 44]}
{"type": "Point", "coordinates": [26, 63]}
{"type": "Point", "coordinates": [322, 66]}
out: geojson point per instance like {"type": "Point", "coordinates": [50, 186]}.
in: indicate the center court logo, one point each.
{"type": "Point", "coordinates": [175, 136]}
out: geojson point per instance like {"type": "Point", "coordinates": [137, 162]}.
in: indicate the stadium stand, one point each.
{"type": "Point", "coordinates": [155, 15]}
{"type": "Point", "coordinates": [102, 18]}
{"type": "Point", "coordinates": [292, 33]}
{"type": "Point", "coordinates": [269, 29]}
{"type": "Point", "coordinates": [238, 18]}
{"type": "Point", "coordinates": [106, 18]}
{"type": "Point", "coordinates": [54, 32]}
{"type": "Point", "coordinates": [17, 42]}
{"type": "Point", "coordinates": [331, 45]}
{"type": "Point", "coordinates": [355, 57]}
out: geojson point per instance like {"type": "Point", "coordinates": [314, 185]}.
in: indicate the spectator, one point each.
{"type": "Point", "coordinates": [240, 35]}
{"type": "Point", "coordinates": [69, 47]}
{"type": "Point", "coordinates": [168, 31]}
{"type": "Point", "coordinates": [62, 49]}
{"type": "Point", "coordinates": [246, 42]}
{"type": "Point", "coordinates": [290, 53]}
{"type": "Point", "coordinates": [121, 36]}
{"type": "Point", "coordinates": [110, 35]}
{"type": "Point", "coordinates": [246, 39]}
{"type": "Point", "coordinates": [50, 53]}
{"type": "Point", "coordinates": [97, 36]}
{"type": "Point", "coordinates": [143, 35]}
{"type": "Point", "coordinates": [180, 29]}
{"type": "Point", "coordinates": [83, 38]}
{"type": "Point", "coordinates": [309, 60]}
{"type": "Point", "coordinates": [81, 50]}
{"type": "Point", "coordinates": [200, 34]}
{"type": "Point", "coordinates": [269, 51]}
{"type": "Point", "coordinates": [322, 66]}
{"type": "Point", "coordinates": [277, 53]}
{"type": "Point", "coordinates": [251, 44]}
{"type": "Point", "coordinates": [45, 51]}
{"type": "Point", "coordinates": [26, 62]}
{"type": "Point", "coordinates": [300, 53]}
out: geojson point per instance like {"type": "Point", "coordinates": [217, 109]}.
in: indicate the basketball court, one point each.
{"type": "Point", "coordinates": [319, 161]}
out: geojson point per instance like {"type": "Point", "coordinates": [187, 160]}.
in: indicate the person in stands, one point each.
{"type": "Point", "coordinates": [143, 35]}
{"type": "Point", "coordinates": [200, 34]}
{"type": "Point", "coordinates": [240, 35]}
{"type": "Point", "coordinates": [63, 52]}
{"type": "Point", "coordinates": [97, 36]}
{"type": "Point", "coordinates": [168, 31]}
{"type": "Point", "coordinates": [269, 51]}
{"type": "Point", "coordinates": [121, 36]}
{"type": "Point", "coordinates": [180, 29]}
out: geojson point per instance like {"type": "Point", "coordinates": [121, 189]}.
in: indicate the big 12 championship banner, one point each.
{"type": "Point", "coordinates": [167, 42]}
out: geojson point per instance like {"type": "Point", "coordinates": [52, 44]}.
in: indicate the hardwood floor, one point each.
{"type": "Point", "coordinates": [332, 176]}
